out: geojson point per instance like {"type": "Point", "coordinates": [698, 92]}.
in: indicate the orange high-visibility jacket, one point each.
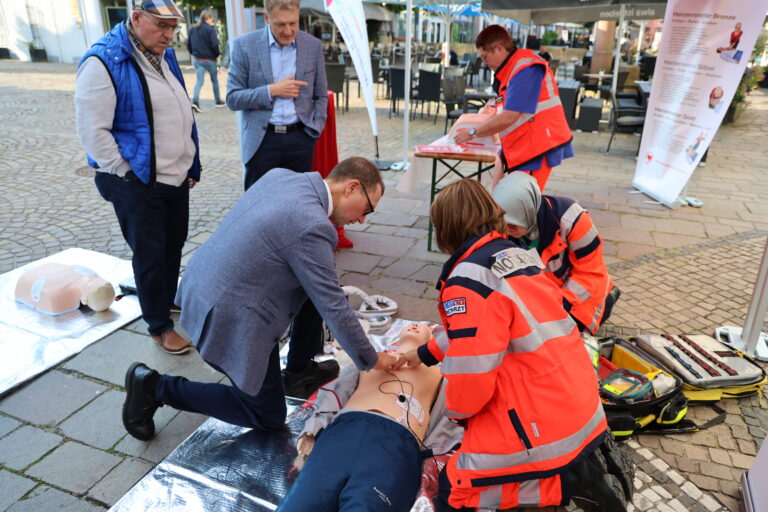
{"type": "Point", "coordinates": [519, 378]}
{"type": "Point", "coordinates": [532, 135]}
{"type": "Point", "coordinates": [572, 251]}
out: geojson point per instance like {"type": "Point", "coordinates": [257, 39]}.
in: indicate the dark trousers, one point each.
{"type": "Point", "coordinates": [360, 462]}
{"type": "Point", "coordinates": [306, 337]}
{"type": "Point", "coordinates": [293, 150]}
{"type": "Point", "coordinates": [265, 411]}
{"type": "Point", "coordinates": [154, 221]}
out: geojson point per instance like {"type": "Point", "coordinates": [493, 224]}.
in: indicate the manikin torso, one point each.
{"type": "Point", "coordinates": [55, 289]}
{"type": "Point", "coordinates": [408, 392]}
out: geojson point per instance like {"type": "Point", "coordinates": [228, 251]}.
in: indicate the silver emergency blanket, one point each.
{"type": "Point", "coordinates": [31, 342]}
{"type": "Point", "coordinates": [224, 468]}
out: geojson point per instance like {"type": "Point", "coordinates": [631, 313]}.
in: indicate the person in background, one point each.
{"type": "Point", "coordinates": [535, 136]}
{"type": "Point", "coordinates": [135, 122]}
{"type": "Point", "coordinates": [563, 234]}
{"type": "Point", "coordinates": [277, 85]}
{"type": "Point", "coordinates": [203, 45]}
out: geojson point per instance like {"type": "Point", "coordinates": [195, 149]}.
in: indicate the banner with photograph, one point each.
{"type": "Point", "coordinates": [350, 20]}
{"type": "Point", "coordinates": [705, 47]}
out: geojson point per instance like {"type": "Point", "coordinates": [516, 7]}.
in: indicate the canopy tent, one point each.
{"type": "Point", "coordinates": [469, 10]}
{"type": "Point", "coordinates": [548, 12]}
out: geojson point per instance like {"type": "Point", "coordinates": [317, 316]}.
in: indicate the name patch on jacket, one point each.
{"type": "Point", "coordinates": [511, 260]}
{"type": "Point", "coordinates": [455, 306]}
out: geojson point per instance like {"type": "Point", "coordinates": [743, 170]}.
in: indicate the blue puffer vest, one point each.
{"type": "Point", "coordinates": [132, 124]}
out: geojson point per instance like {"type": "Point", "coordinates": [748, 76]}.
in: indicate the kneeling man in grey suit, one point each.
{"type": "Point", "coordinates": [242, 288]}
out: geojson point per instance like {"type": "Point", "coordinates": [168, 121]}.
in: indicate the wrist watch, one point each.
{"type": "Point", "coordinates": [472, 132]}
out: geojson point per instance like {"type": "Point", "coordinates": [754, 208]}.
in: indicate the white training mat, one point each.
{"type": "Point", "coordinates": [31, 342]}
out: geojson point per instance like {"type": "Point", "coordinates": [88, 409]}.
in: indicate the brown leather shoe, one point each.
{"type": "Point", "coordinates": [172, 343]}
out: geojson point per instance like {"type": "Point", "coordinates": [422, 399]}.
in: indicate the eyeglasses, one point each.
{"type": "Point", "coordinates": [370, 204]}
{"type": "Point", "coordinates": [162, 27]}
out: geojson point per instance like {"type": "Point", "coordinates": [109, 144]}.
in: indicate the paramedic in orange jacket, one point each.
{"type": "Point", "coordinates": [530, 120]}
{"type": "Point", "coordinates": [519, 377]}
{"type": "Point", "coordinates": [563, 234]}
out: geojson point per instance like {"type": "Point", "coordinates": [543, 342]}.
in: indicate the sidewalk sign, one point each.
{"type": "Point", "coordinates": [703, 55]}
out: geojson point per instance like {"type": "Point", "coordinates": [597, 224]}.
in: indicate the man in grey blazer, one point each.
{"type": "Point", "coordinates": [241, 289]}
{"type": "Point", "coordinates": [277, 85]}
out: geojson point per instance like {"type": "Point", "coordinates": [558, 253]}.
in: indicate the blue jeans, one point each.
{"type": "Point", "coordinates": [201, 66]}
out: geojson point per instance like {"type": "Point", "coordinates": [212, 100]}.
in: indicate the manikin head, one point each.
{"type": "Point", "coordinates": [97, 293]}
{"type": "Point", "coordinates": [356, 188]}
{"type": "Point", "coordinates": [283, 19]}
{"type": "Point", "coordinates": [413, 336]}
{"type": "Point", "coordinates": [155, 22]}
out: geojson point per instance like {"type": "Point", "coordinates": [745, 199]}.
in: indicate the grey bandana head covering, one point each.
{"type": "Point", "coordinates": [519, 195]}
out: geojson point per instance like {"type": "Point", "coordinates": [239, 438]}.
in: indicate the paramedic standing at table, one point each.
{"type": "Point", "coordinates": [531, 123]}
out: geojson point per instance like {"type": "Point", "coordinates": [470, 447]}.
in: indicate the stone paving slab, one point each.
{"type": "Point", "coordinates": [13, 487]}
{"type": "Point", "coordinates": [74, 467]}
{"type": "Point", "coordinates": [97, 424]}
{"type": "Point", "coordinates": [56, 395]}
{"type": "Point", "coordinates": [7, 425]}
{"type": "Point", "coordinates": [119, 481]}
{"type": "Point", "coordinates": [121, 348]}
{"type": "Point", "coordinates": [168, 437]}
{"type": "Point", "coordinates": [25, 446]}
{"type": "Point", "coordinates": [48, 498]}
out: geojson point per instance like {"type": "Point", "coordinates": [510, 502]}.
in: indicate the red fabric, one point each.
{"type": "Point", "coordinates": [327, 156]}
{"type": "Point", "coordinates": [326, 153]}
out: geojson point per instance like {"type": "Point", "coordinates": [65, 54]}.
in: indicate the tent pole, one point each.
{"type": "Point", "coordinates": [617, 58]}
{"type": "Point", "coordinates": [640, 38]}
{"type": "Point", "coordinates": [406, 100]}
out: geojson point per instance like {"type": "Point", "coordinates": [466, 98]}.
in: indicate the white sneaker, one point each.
{"type": "Point", "coordinates": [196, 107]}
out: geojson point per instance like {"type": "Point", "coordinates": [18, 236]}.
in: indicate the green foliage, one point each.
{"type": "Point", "coordinates": [550, 36]}
{"type": "Point", "coordinates": [757, 52]}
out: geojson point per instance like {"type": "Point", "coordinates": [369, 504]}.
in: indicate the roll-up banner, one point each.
{"type": "Point", "coordinates": [705, 47]}
{"type": "Point", "coordinates": [350, 20]}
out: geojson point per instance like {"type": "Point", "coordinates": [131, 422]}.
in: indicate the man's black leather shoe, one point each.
{"type": "Point", "coordinates": [139, 407]}
{"type": "Point", "coordinates": [302, 384]}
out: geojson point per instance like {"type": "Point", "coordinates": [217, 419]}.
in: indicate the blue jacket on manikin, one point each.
{"type": "Point", "coordinates": [132, 125]}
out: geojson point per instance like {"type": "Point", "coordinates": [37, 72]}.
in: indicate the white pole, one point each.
{"type": "Point", "coordinates": [640, 41]}
{"type": "Point", "coordinates": [406, 101]}
{"type": "Point", "coordinates": [758, 306]}
{"type": "Point", "coordinates": [619, 32]}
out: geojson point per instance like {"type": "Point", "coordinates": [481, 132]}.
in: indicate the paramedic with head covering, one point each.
{"type": "Point", "coordinates": [563, 234]}
{"type": "Point", "coordinates": [535, 136]}
{"type": "Point", "coordinates": [519, 378]}
{"type": "Point", "coordinates": [135, 121]}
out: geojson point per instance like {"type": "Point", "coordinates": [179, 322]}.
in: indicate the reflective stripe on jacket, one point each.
{"type": "Point", "coordinates": [532, 135]}
{"type": "Point", "coordinates": [518, 376]}
{"type": "Point", "coordinates": [572, 251]}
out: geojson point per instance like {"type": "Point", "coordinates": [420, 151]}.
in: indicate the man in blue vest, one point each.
{"type": "Point", "coordinates": [135, 121]}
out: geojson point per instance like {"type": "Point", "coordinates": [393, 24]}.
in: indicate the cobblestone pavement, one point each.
{"type": "Point", "coordinates": [689, 270]}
